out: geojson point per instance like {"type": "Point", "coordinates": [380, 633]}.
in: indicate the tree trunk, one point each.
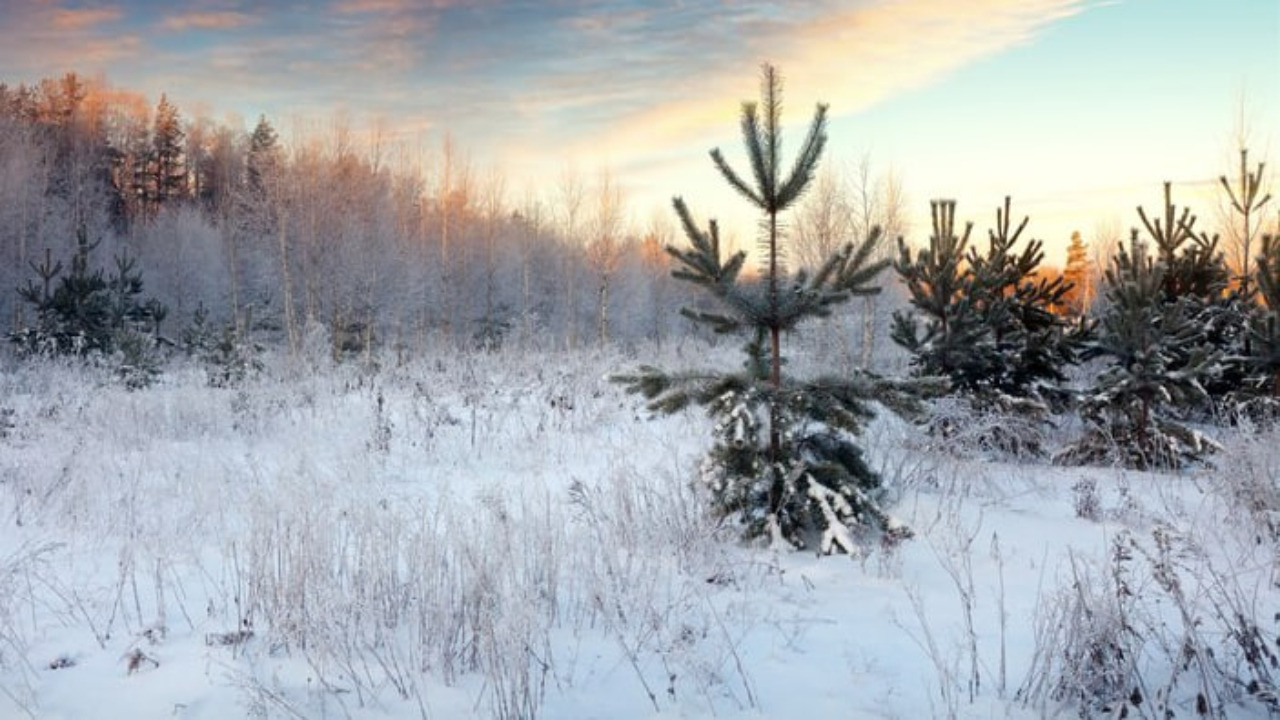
{"type": "Point", "coordinates": [868, 331]}
{"type": "Point", "coordinates": [290, 322]}
{"type": "Point", "coordinates": [604, 310]}
{"type": "Point", "coordinates": [775, 369]}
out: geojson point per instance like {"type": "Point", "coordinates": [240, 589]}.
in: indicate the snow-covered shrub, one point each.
{"type": "Point", "coordinates": [229, 356]}
{"type": "Point", "coordinates": [1088, 505]}
{"type": "Point", "coordinates": [1087, 642]}
{"type": "Point", "coordinates": [991, 426]}
{"type": "Point", "coordinates": [1175, 624]}
{"type": "Point", "coordinates": [1250, 478]}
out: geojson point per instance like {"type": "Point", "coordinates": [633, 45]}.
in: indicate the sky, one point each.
{"type": "Point", "coordinates": [1079, 109]}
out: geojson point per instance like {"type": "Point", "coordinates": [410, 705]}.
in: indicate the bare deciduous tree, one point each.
{"type": "Point", "coordinates": [604, 250]}
{"type": "Point", "coordinates": [844, 207]}
{"type": "Point", "coordinates": [1246, 200]}
{"type": "Point", "coordinates": [572, 194]}
{"type": "Point", "coordinates": [824, 220]}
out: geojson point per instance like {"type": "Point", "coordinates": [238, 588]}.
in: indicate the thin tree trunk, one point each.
{"type": "Point", "coordinates": [526, 322]}
{"type": "Point", "coordinates": [233, 259]}
{"type": "Point", "coordinates": [572, 292]}
{"type": "Point", "coordinates": [868, 331]}
{"type": "Point", "coordinates": [290, 321]}
{"type": "Point", "coordinates": [775, 369]}
{"type": "Point", "coordinates": [604, 310]}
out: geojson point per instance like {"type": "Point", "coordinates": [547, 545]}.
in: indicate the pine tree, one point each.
{"type": "Point", "coordinates": [1031, 343]}
{"type": "Point", "coordinates": [952, 342]}
{"type": "Point", "coordinates": [89, 314]}
{"type": "Point", "coordinates": [1159, 359]}
{"type": "Point", "coordinates": [131, 164]}
{"type": "Point", "coordinates": [784, 461]}
{"type": "Point", "coordinates": [168, 156]}
{"type": "Point", "coordinates": [987, 319]}
{"type": "Point", "coordinates": [1197, 276]}
{"type": "Point", "coordinates": [1259, 396]}
{"type": "Point", "coordinates": [73, 311]}
{"type": "Point", "coordinates": [1193, 266]}
{"type": "Point", "coordinates": [1251, 388]}
{"type": "Point", "coordinates": [1077, 275]}
{"type": "Point", "coordinates": [264, 156]}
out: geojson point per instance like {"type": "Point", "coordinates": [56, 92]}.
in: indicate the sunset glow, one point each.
{"type": "Point", "coordinates": [1078, 108]}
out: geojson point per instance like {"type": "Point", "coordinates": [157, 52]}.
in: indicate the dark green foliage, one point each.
{"type": "Point", "coordinates": [951, 341]}
{"type": "Point", "coordinates": [87, 313]}
{"type": "Point", "coordinates": [492, 329]}
{"type": "Point", "coordinates": [987, 323]}
{"type": "Point", "coordinates": [817, 485]}
{"type": "Point", "coordinates": [264, 156]}
{"type": "Point", "coordinates": [229, 356]}
{"type": "Point", "coordinates": [1197, 277]}
{"type": "Point", "coordinates": [167, 155]}
{"type": "Point", "coordinates": [784, 461]}
{"type": "Point", "coordinates": [1034, 343]}
{"type": "Point", "coordinates": [1159, 359]}
{"type": "Point", "coordinates": [1258, 395]}
{"type": "Point", "coordinates": [72, 311]}
{"type": "Point", "coordinates": [1193, 265]}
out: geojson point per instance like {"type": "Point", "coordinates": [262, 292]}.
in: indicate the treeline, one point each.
{"type": "Point", "coordinates": [237, 227]}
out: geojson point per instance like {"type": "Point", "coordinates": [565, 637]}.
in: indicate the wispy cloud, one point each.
{"type": "Point", "coordinates": [372, 6]}
{"type": "Point", "coordinates": [208, 20]}
{"type": "Point", "coordinates": [580, 76]}
{"type": "Point", "coordinates": [849, 57]}
{"type": "Point", "coordinates": [45, 38]}
{"type": "Point", "coordinates": [83, 18]}
{"type": "Point", "coordinates": [349, 7]}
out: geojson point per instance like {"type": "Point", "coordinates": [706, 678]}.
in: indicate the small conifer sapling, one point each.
{"type": "Point", "coordinates": [784, 462]}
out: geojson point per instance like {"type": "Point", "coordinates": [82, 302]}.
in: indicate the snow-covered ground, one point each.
{"type": "Point", "coordinates": [509, 536]}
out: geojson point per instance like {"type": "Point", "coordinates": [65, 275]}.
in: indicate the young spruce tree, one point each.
{"type": "Point", "coordinates": [784, 462]}
{"type": "Point", "coordinates": [984, 320]}
{"type": "Point", "coordinates": [89, 314]}
{"type": "Point", "coordinates": [1196, 276]}
{"type": "Point", "coordinates": [1260, 397]}
{"type": "Point", "coordinates": [1159, 360]}
{"type": "Point", "coordinates": [988, 320]}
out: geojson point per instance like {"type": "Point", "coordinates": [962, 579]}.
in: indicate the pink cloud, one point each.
{"type": "Point", "coordinates": [372, 6]}
{"type": "Point", "coordinates": [851, 57]}
{"type": "Point", "coordinates": [350, 7]}
{"type": "Point", "coordinates": [83, 18]}
{"type": "Point", "coordinates": [217, 20]}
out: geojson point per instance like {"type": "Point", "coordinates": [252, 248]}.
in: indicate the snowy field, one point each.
{"type": "Point", "coordinates": [510, 536]}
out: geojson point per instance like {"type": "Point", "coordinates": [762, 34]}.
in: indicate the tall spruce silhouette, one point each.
{"type": "Point", "coordinates": [784, 461]}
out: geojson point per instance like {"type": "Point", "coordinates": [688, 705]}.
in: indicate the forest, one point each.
{"type": "Point", "coordinates": [333, 231]}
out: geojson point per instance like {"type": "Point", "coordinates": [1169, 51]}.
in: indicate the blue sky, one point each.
{"type": "Point", "coordinates": [1078, 108]}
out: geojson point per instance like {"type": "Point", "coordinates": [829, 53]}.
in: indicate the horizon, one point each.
{"type": "Point", "coordinates": [1078, 109]}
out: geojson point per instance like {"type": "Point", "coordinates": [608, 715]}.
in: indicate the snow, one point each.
{"type": "Point", "coordinates": [509, 535]}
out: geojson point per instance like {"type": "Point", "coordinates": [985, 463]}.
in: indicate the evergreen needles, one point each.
{"type": "Point", "coordinates": [784, 463]}
{"type": "Point", "coordinates": [984, 321]}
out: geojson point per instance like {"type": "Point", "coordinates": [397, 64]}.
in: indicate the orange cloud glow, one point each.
{"type": "Point", "coordinates": [851, 58]}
